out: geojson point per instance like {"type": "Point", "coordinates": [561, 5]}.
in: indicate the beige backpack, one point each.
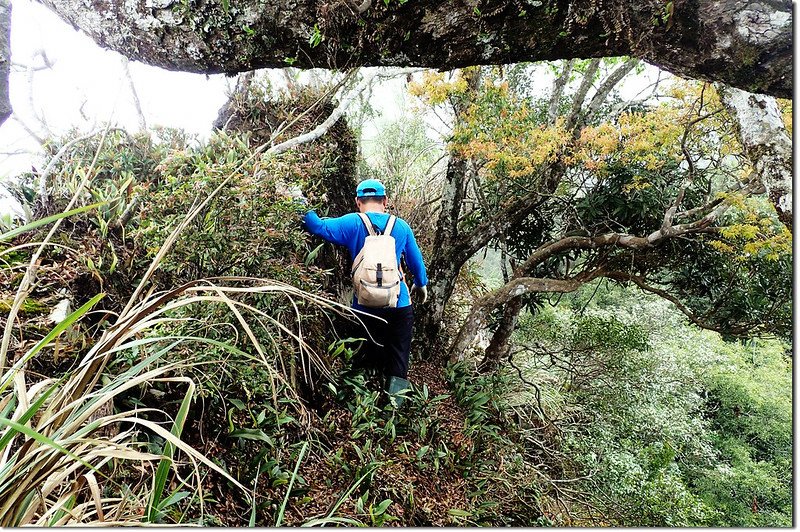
{"type": "Point", "coordinates": [376, 276]}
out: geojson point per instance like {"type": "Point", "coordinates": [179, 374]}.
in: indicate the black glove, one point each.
{"type": "Point", "coordinates": [421, 292]}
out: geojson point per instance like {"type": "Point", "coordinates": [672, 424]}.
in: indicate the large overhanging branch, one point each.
{"type": "Point", "coordinates": [766, 142]}
{"type": "Point", "coordinates": [742, 43]}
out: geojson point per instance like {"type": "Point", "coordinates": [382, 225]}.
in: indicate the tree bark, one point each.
{"type": "Point", "coordinates": [744, 43]}
{"type": "Point", "coordinates": [453, 192]}
{"type": "Point", "coordinates": [5, 59]}
{"type": "Point", "coordinates": [430, 331]}
{"type": "Point", "coordinates": [558, 91]}
{"type": "Point", "coordinates": [500, 344]}
{"type": "Point", "coordinates": [442, 267]}
{"type": "Point", "coordinates": [766, 143]}
{"type": "Point", "coordinates": [515, 288]}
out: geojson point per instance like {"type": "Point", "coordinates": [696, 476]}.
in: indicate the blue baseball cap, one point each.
{"type": "Point", "coordinates": [370, 187]}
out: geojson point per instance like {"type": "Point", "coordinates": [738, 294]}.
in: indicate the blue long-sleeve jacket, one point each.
{"type": "Point", "coordinates": [349, 231]}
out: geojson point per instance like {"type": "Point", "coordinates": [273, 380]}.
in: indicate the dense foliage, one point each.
{"type": "Point", "coordinates": [662, 424]}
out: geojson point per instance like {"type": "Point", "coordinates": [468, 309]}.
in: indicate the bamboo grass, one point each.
{"type": "Point", "coordinates": [53, 468]}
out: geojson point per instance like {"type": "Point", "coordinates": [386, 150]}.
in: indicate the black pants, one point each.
{"type": "Point", "coordinates": [394, 337]}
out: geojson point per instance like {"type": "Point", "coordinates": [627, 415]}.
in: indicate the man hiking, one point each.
{"type": "Point", "coordinates": [380, 287]}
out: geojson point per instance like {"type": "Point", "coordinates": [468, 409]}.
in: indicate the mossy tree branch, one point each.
{"type": "Point", "coordinates": [741, 43]}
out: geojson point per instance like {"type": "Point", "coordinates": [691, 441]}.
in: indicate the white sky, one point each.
{"type": "Point", "coordinates": [85, 74]}
{"type": "Point", "coordinates": [86, 86]}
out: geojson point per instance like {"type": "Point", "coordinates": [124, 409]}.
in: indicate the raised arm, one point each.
{"type": "Point", "coordinates": [336, 230]}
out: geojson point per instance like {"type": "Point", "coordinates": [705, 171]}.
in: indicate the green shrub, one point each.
{"type": "Point", "coordinates": [667, 425]}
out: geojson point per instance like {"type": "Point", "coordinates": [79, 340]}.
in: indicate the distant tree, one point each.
{"type": "Point", "coordinates": [402, 155]}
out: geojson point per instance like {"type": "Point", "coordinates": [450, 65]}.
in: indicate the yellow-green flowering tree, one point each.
{"type": "Point", "coordinates": [576, 186]}
{"type": "Point", "coordinates": [508, 155]}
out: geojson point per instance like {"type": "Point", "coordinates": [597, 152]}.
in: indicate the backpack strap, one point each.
{"type": "Point", "coordinates": [390, 225]}
{"type": "Point", "coordinates": [370, 229]}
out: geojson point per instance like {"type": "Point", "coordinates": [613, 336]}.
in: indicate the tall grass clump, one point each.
{"type": "Point", "coordinates": [168, 273]}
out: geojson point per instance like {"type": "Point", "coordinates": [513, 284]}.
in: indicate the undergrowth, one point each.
{"type": "Point", "coordinates": [229, 356]}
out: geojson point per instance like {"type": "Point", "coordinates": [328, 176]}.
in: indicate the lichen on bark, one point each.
{"type": "Point", "coordinates": [704, 39]}
{"type": "Point", "coordinates": [767, 144]}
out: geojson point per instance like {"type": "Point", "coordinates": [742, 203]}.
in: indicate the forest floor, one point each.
{"type": "Point", "coordinates": [345, 467]}
{"type": "Point", "coordinates": [432, 493]}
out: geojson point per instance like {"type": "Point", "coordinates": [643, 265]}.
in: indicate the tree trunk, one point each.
{"type": "Point", "coordinates": [479, 314]}
{"type": "Point", "coordinates": [430, 333]}
{"type": "Point", "coordinates": [444, 263]}
{"type": "Point", "coordinates": [500, 344]}
{"type": "Point", "coordinates": [768, 146]}
{"type": "Point", "coordinates": [453, 193]}
{"type": "Point", "coordinates": [739, 42]}
{"type": "Point", "coordinates": [5, 59]}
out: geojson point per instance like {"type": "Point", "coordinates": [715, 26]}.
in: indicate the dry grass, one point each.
{"type": "Point", "coordinates": [61, 442]}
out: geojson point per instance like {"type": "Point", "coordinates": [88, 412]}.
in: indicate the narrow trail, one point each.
{"type": "Point", "coordinates": [421, 493]}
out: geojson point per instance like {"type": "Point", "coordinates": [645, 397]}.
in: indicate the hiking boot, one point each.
{"type": "Point", "coordinates": [397, 388]}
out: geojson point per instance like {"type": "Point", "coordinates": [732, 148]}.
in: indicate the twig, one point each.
{"type": "Point", "coordinates": [537, 390]}
{"type": "Point", "coordinates": [337, 113]}
{"type": "Point", "coordinates": [135, 95]}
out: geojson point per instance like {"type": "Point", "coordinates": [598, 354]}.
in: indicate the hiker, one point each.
{"type": "Point", "coordinates": [380, 287]}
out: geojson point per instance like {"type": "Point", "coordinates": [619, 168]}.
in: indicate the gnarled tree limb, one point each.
{"type": "Point", "coordinates": [521, 283]}
{"type": "Point", "coordinates": [743, 43]}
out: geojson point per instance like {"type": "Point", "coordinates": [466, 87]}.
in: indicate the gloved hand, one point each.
{"type": "Point", "coordinates": [296, 193]}
{"type": "Point", "coordinates": [421, 292]}
{"type": "Point", "coordinates": [293, 192]}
